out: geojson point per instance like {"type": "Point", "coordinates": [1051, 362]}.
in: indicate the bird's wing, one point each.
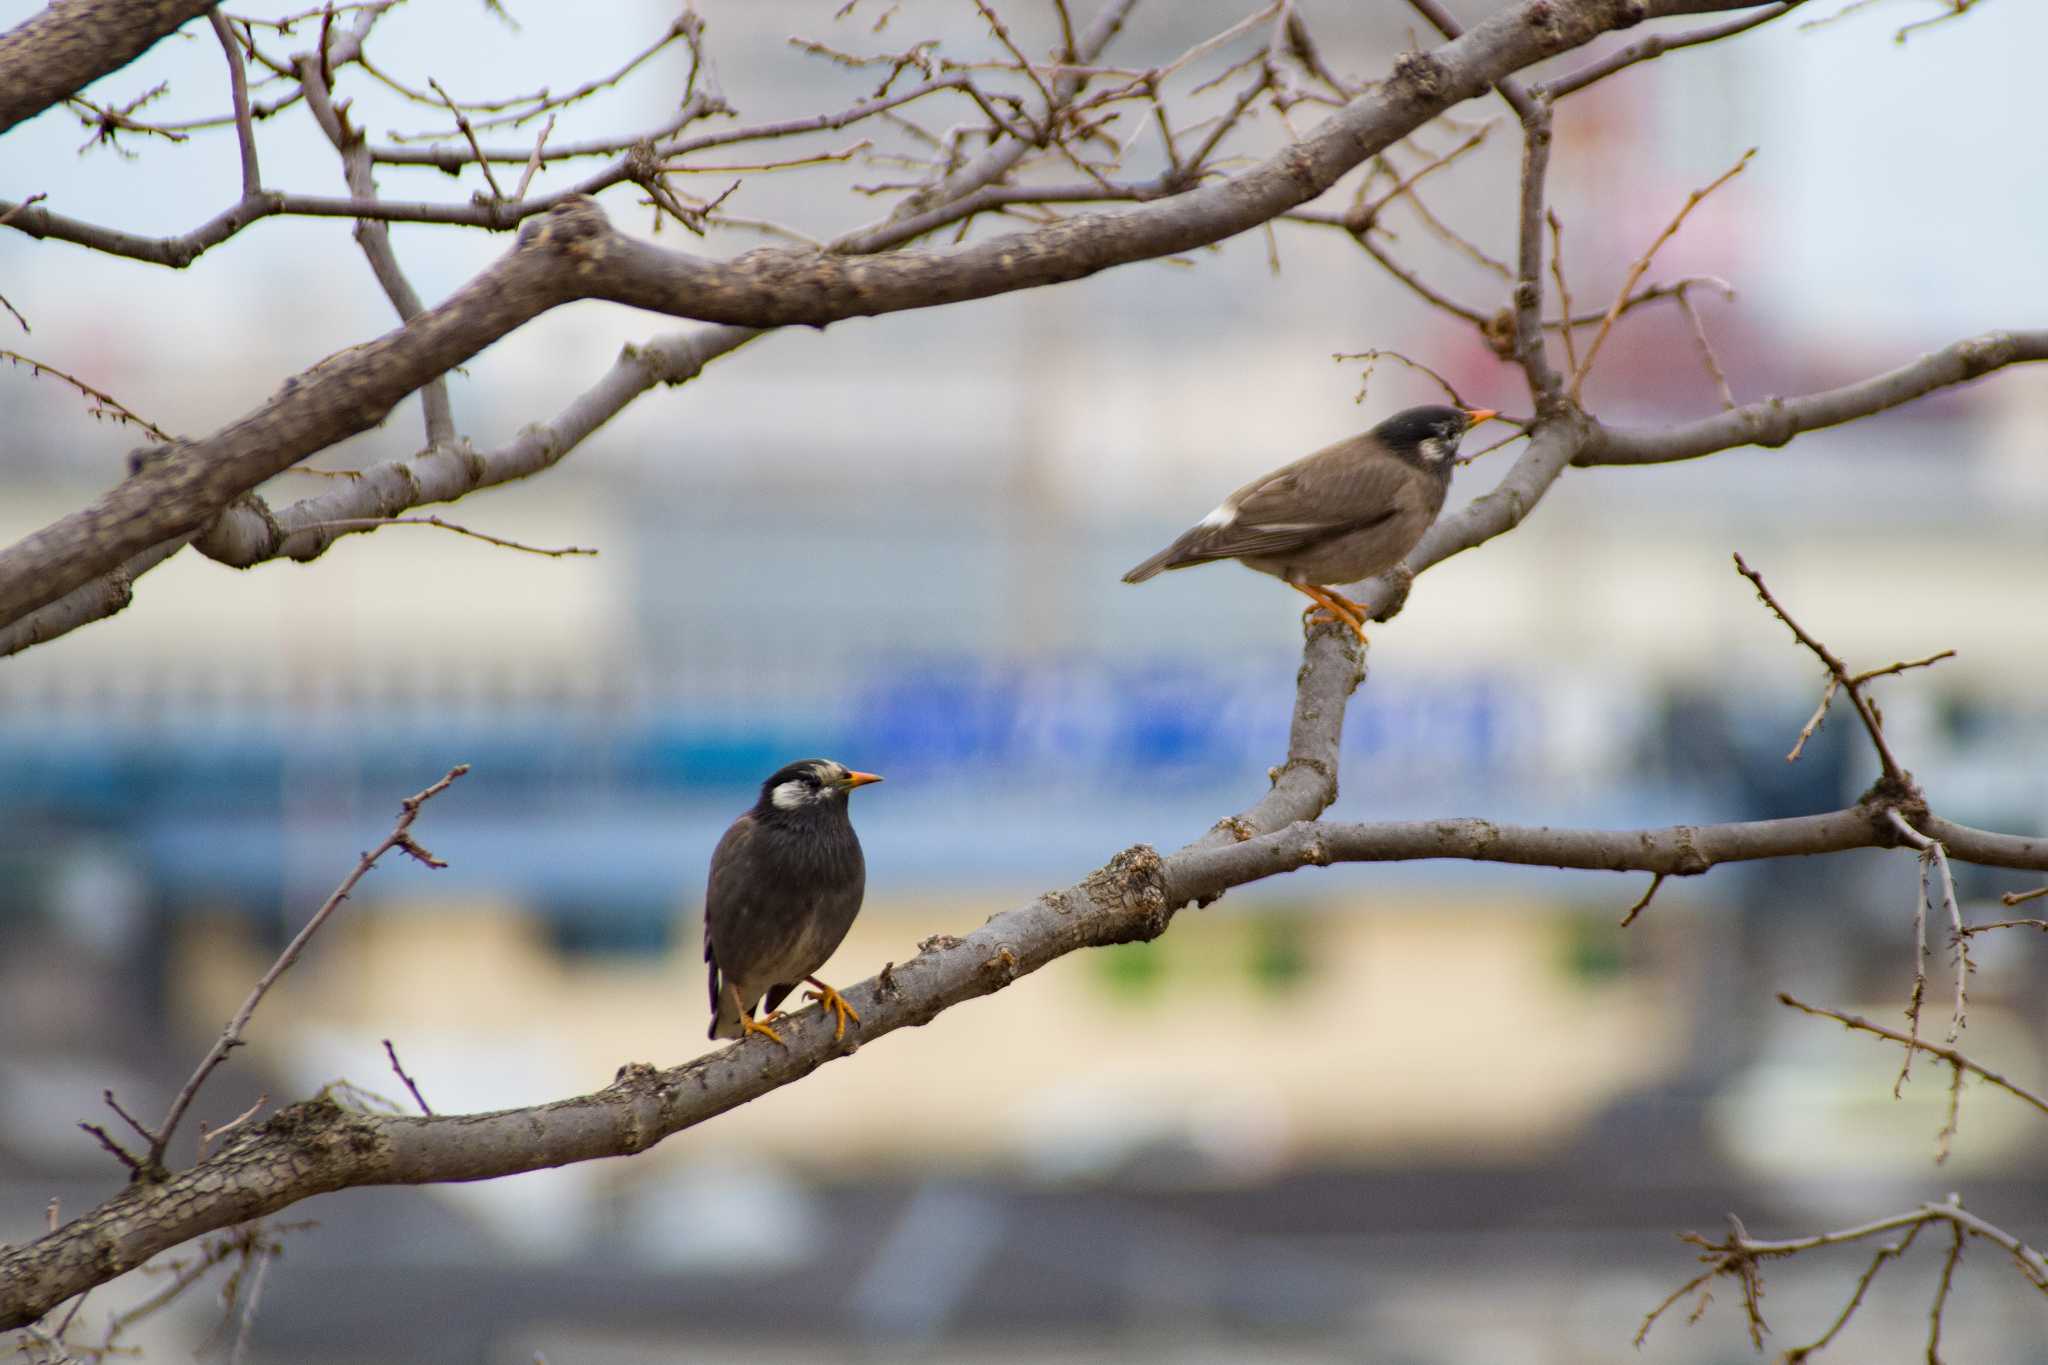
{"type": "Point", "coordinates": [1337, 491]}
{"type": "Point", "coordinates": [722, 900]}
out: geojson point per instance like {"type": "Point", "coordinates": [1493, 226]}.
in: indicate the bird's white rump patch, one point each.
{"type": "Point", "coordinates": [1222, 516]}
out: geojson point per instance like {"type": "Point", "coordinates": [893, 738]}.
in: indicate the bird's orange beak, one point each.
{"type": "Point", "coordinates": [861, 779]}
{"type": "Point", "coordinates": [1477, 415]}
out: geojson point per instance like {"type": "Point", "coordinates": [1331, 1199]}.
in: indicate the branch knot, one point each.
{"type": "Point", "coordinates": [1424, 77]}
{"type": "Point", "coordinates": [1131, 891]}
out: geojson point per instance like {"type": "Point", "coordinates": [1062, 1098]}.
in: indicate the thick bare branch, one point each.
{"type": "Point", "coordinates": [573, 253]}
{"type": "Point", "coordinates": [70, 45]}
{"type": "Point", "coordinates": [249, 531]}
{"type": "Point", "coordinates": [1774, 421]}
{"type": "Point", "coordinates": [1677, 851]}
{"type": "Point", "coordinates": [316, 1147]}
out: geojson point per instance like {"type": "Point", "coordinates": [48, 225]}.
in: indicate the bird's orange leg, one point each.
{"type": "Point", "coordinates": [835, 1002]}
{"type": "Point", "coordinates": [747, 1024]}
{"type": "Point", "coordinates": [1338, 608]}
{"type": "Point", "coordinates": [1357, 608]}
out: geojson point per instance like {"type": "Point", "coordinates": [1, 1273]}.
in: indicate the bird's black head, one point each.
{"type": "Point", "coordinates": [1429, 435]}
{"type": "Point", "coordinates": [810, 784]}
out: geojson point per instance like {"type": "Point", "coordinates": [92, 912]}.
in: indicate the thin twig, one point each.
{"type": "Point", "coordinates": [36, 198]}
{"type": "Point", "coordinates": [462, 123]}
{"type": "Point", "coordinates": [1707, 356]}
{"type": "Point", "coordinates": [1642, 264]}
{"type": "Point", "coordinates": [104, 404]}
{"type": "Point", "coordinates": [1456, 240]}
{"type": "Point", "coordinates": [1365, 217]}
{"type": "Point", "coordinates": [538, 103]}
{"type": "Point", "coordinates": [231, 1036]}
{"type": "Point", "coordinates": [2041, 924]}
{"type": "Point", "coordinates": [1953, 1122]}
{"type": "Point", "coordinates": [1813, 723]}
{"type": "Point", "coordinates": [119, 1152]}
{"type": "Point", "coordinates": [533, 162]}
{"type": "Point", "coordinates": [1740, 1255]}
{"type": "Point", "coordinates": [1564, 298]}
{"type": "Point", "coordinates": [1639, 906]}
{"type": "Point", "coordinates": [208, 1135]}
{"type": "Point", "coordinates": [1919, 992]}
{"type": "Point", "coordinates": [1889, 669]}
{"type": "Point", "coordinates": [1002, 35]}
{"type": "Point", "coordinates": [1656, 46]}
{"type": "Point", "coordinates": [1956, 10]}
{"type": "Point", "coordinates": [263, 1256]}
{"type": "Point", "coordinates": [1946, 1054]}
{"type": "Point", "coordinates": [145, 1134]}
{"type": "Point", "coordinates": [1372, 357]}
{"type": "Point", "coordinates": [366, 523]}
{"type": "Point", "coordinates": [1798, 1354]}
{"type": "Point", "coordinates": [238, 89]}
{"type": "Point", "coordinates": [1894, 774]}
{"type": "Point", "coordinates": [1959, 942]}
{"type": "Point", "coordinates": [1948, 1275]}
{"type": "Point", "coordinates": [418, 1098]}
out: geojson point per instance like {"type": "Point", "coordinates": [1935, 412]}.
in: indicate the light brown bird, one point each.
{"type": "Point", "coordinates": [1349, 511]}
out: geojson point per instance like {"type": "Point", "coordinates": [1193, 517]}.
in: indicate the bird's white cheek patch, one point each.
{"type": "Point", "coordinates": [790, 796]}
{"type": "Point", "coordinates": [1222, 516]}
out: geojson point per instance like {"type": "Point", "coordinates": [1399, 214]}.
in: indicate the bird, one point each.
{"type": "Point", "coordinates": [1349, 511]}
{"type": "Point", "coordinates": [786, 882]}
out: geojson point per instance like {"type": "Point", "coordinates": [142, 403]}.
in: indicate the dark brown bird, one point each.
{"type": "Point", "coordinates": [786, 882]}
{"type": "Point", "coordinates": [1347, 512]}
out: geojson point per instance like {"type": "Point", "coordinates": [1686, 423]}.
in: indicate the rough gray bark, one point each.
{"type": "Point", "coordinates": [71, 44]}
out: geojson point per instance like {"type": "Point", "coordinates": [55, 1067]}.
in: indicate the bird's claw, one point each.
{"type": "Point", "coordinates": [748, 1025]}
{"type": "Point", "coordinates": [1332, 606]}
{"type": "Point", "coordinates": [835, 1002]}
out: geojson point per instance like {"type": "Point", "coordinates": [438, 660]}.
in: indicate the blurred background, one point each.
{"type": "Point", "coordinates": [1431, 1113]}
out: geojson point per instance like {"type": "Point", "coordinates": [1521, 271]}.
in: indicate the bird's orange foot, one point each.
{"type": "Point", "coordinates": [1358, 609]}
{"type": "Point", "coordinates": [1331, 607]}
{"type": "Point", "coordinates": [835, 1002]}
{"type": "Point", "coordinates": [749, 1025]}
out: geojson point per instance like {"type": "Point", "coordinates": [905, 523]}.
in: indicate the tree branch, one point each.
{"type": "Point", "coordinates": [316, 1147]}
{"type": "Point", "coordinates": [573, 253]}
{"type": "Point", "coordinates": [1774, 421]}
{"type": "Point", "coordinates": [1656, 45]}
{"type": "Point", "coordinates": [231, 1036]}
{"type": "Point", "coordinates": [67, 47]}
{"type": "Point", "coordinates": [249, 532]}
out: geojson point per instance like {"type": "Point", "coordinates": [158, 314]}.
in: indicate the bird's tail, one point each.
{"type": "Point", "coordinates": [1168, 558]}
{"type": "Point", "coordinates": [725, 1015]}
